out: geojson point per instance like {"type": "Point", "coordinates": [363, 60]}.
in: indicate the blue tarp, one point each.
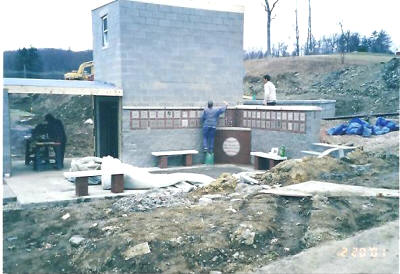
{"type": "Point", "coordinates": [358, 126]}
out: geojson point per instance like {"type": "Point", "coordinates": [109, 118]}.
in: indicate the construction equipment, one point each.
{"type": "Point", "coordinates": [85, 72]}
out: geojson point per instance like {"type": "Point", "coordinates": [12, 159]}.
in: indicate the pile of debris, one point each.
{"type": "Point", "coordinates": [151, 199]}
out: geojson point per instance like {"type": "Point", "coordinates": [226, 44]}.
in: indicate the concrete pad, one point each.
{"type": "Point", "coordinates": [8, 194]}
{"type": "Point", "coordinates": [36, 188]}
{"type": "Point", "coordinates": [39, 188]}
{"type": "Point", "coordinates": [330, 190]}
{"type": "Point", "coordinates": [372, 251]}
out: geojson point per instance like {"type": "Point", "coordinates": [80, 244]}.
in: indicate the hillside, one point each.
{"type": "Point", "coordinates": [53, 63]}
{"type": "Point", "coordinates": [364, 83]}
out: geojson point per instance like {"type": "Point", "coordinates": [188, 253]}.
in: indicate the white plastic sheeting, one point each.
{"type": "Point", "coordinates": [140, 178]}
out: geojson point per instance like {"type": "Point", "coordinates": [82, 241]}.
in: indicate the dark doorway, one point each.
{"type": "Point", "coordinates": [107, 126]}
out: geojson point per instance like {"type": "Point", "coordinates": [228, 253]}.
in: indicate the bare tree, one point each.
{"type": "Point", "coordinates": [269, 10]}
{"type": "Point", "coordinates": [309, 44]}
{"type": "Point", "coordinates": [342, 44]}
{"type": "Point", "coordinates": [297, 35]}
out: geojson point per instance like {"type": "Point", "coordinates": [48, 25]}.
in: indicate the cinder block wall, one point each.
{"type": "Point", "coordinates": [107, 60]}
{"type": "Point", "coordinates": [174, 56]}
{"type": "Point", "coordinates": [264, 140]}
{"type": "Point", "coordinates": [138, 144]}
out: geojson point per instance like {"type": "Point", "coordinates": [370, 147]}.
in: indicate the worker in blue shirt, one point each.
{"type": "Point", "coordinates": [210, 120]}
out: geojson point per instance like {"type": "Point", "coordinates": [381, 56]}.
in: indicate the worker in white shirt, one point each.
{"type": "Point", "coordinates": [269, 91]}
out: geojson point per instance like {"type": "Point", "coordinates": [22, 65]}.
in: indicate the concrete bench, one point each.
{"type": "Point", "coordinates": [330, 149]}
{"type": "Point", "coordinates": [164, 156]}
{"type": "Point", "coordinates": [273, 159]}
{"type": "Point", "coordinates": [81, 181]}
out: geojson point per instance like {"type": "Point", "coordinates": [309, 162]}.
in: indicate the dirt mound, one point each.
{"type": "Point", "coordinates": [357, 164]}
{"type": "Point", "coordinates": [224, 183]}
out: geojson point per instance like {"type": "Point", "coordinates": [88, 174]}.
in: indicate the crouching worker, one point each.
{"type": "Point", "coordinates": [56, 133]}
{"type": "Point", "coordinates": [210, 120]}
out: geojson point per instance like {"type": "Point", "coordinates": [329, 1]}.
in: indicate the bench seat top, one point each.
{"type": "Point", "coordinates": [311, 152]}
{"type": "Point", "coordinates": [268, 155]}
{"type": "Point", "coordinates": [90, 173]}
{"type": "Point", "coordinates": [334, 146]}
{"type": "Point", "coordinates": [176, 152]}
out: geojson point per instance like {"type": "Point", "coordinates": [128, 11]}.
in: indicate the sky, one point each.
{"type": "Point", "coordinates": [67, 24]}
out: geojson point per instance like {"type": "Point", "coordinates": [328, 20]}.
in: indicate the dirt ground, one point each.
{"type": "Point", "coordinates": [227, 226]}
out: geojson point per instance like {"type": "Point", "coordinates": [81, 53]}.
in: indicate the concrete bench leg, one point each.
{"type": "Point", "coordinates": [117, 183]}
{"type": "Point", "coordinates": [163, 161]}
{"type": "Point", "coordinates": [256, 162]}
{"type": "Point", "coordinates": [81, 186]}
{"type": "Point", "coordinates": [188, 160]}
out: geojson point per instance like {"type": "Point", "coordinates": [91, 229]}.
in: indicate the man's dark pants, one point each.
{"type": "Point", "coordinates": [59, 151]}
{"type": "Point", "coordinates": [208, 138]}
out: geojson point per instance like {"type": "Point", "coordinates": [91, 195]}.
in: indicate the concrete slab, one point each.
{"type": "Point", "coordinates": [213, 171]}
{"type": "Point", "coordinates": [37, 188]}
{"type": "Point", "coordinates": [8, 194]}
{"type": "Point", "coordinates": [330, 190]}
{"type": "Point", "coordinates": [372, 251]}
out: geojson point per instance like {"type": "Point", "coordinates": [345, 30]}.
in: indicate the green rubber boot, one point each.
{"type": "Point", "coordinates": [209, 158]}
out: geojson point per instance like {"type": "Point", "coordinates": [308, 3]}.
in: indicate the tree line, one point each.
{"type": "Point", "coordinates": [42, 63]}
{"type": "Point", "coordinates": [345, 42]}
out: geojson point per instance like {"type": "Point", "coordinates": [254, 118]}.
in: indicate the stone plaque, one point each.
{"type": "Point", "coordinates": [290, 116]}
{"type": "Point", "coordinates": [184, 114]}
{"type": "Point", "coordinates": [135, 114]}
{"type": "Point", "coordinates": [231, 146]}
{"type": "Point", "coordinates": [152, 114]}
{"type": "Point", "coordinates": [160, 114]}
{"type": "Point", "coordinates": [192, 114]}
{"type": "Point", "coordinates": [153, 123]}
{"type": "Point", "coordinates": [185, 123]}
{"type": "Point", "coordinates": [284, 115]}
{"type": "Point", "coordinates": [258, 115]}
{"type": "Point", "coordinates": [192, 123]}
{"type": "Point", "coordinates": [262, 124]}
{"type": "Point", "coordinates": [143, 114]}
{"type": "Point", "coordinates": [279, 115]}
{"type": "Point", "coordinates": [296, 116]}
{"type": "Point", "coordinates": [268, 115]}
{"type": "Point", "coordinates": [169, 114]}
{"type": "Point", "coordinates": [302, 127]}
{"type": "Point", "coordinates": [168, 123]}
{"type": "Point", "coordinates": [244, 114]}
{"type": "Point", "coordinates": [177, 114]}
{"type": "Point", "coordinates": [258, 123]}
{"type": "Point", "coordinates": [263, 115]}
{"type": "Point", "coordinates": [135, 124]}
{"type": "Point", "coordinates": [290, 126]}
{"type": "Point", "coordinates": [302, 116]}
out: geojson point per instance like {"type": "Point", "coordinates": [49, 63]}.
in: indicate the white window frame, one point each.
{"type": "Point", "coordinates": [104, 31]}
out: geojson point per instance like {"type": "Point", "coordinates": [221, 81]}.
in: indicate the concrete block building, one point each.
{"type": "Point", "coordinates": [170, 58]}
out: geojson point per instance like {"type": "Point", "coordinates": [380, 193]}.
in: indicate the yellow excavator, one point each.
{"type": "Point", "coordinates": [85, 72]}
